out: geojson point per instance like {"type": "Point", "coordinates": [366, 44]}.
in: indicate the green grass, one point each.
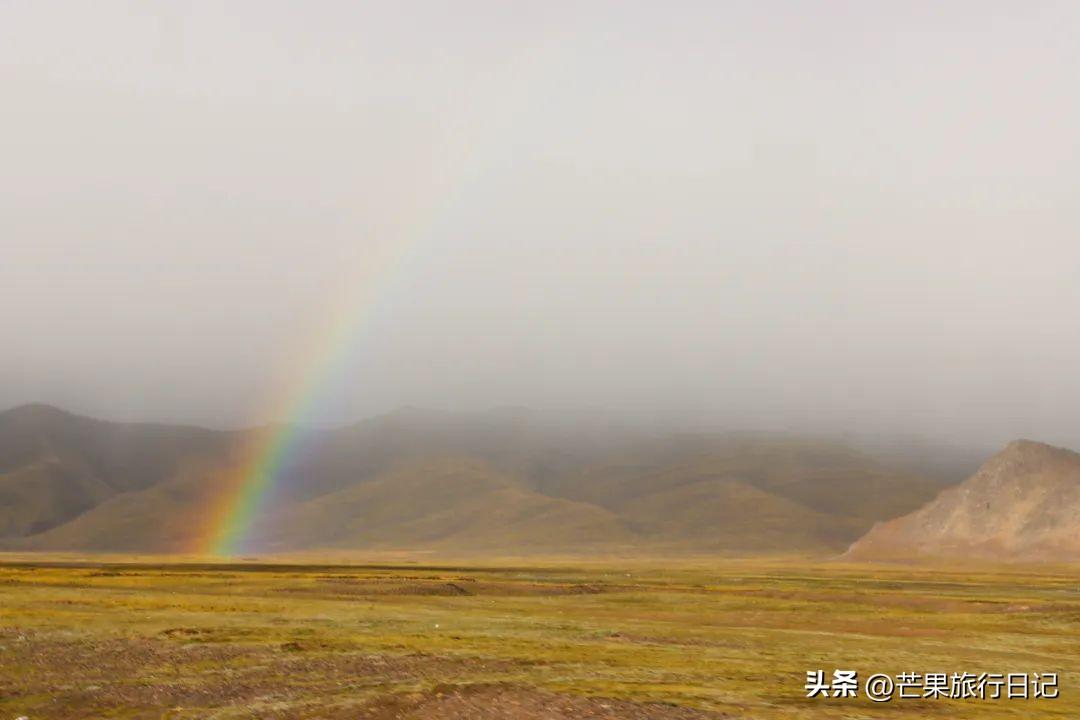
{"type": "Point", "coordinates": [151, 639]}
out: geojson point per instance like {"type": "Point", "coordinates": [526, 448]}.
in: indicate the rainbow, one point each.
{"type": "Point", "coordinates": [241, 495]}
{"type": "Point", "coordinates": [242, 492]}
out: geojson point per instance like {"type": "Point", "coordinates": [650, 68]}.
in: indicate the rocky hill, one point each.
{"type": "Point", "coordinates": [1023, 503]}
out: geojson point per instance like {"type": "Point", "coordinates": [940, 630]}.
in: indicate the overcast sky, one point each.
{"type": "Point", "coordinates": [791, 215]}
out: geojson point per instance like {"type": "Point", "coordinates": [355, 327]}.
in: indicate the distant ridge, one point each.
{"type": "Point", "coordinates": [1023, 504]}
{"type": "Point", "coordinates": [506, 480]}
{"type": "Point", "coordinates": [55, 465]}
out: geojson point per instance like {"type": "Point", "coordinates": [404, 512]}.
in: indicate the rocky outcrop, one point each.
{"type": "Point", "coordinates": [1022, 504]}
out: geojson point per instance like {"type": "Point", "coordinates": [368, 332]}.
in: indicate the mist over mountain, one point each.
{"type": "Point", "coordinates": [507, 480]}
{"type": "Point", "coordinates": [809, 219]}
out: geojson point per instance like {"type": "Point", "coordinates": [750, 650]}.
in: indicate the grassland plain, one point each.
{"type": "Point", "coordinates": [133, 637]}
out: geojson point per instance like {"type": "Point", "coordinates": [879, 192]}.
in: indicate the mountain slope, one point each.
{"type": "Point", "coordinates": [724, 513]}
{"type": "Point", "coordinates": [54, 465]}
{"type": "Point", "coordinates": [445, 502]}
{"type": "Point", "coordinates": [46, 492]}
{"type": "Point", "coordinates": [805, 485]}
{"type": "Point", "coordinates": [168, 516]}
{"type": "Point", "coordinates": [1023, 503]}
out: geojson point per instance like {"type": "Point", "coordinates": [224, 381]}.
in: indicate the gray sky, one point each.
{"type": "Point", "coordinates": [803, 215]}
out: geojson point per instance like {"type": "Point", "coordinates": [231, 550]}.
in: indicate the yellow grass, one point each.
{"type": "Point", "coordinates": [150, 638]}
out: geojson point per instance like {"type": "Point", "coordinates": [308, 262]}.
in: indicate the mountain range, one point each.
{"type": "Point", "coordinates": [506, 480]}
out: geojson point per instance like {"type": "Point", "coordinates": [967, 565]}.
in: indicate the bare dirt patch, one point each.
{"type": "Point", "coordinates": [63, 677]}
{"type": "Point", "coordinates": [509, 702]}
{"type": "Point", "coordinates": [448, 587]}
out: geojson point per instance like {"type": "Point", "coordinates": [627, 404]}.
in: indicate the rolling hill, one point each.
{"type": "Point", "coordinates": [506, 480]}
{"type": "Point", "coordinates": [55, 466]}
